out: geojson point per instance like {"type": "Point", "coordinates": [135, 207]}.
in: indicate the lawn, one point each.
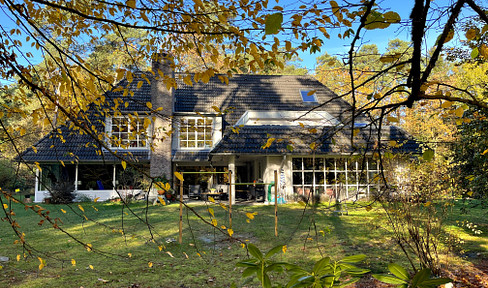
{"type": "Point", "coordinates": [124, 254]}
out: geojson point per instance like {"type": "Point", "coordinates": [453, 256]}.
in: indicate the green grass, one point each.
{"type": "Point", "coordinates": [206, 257]}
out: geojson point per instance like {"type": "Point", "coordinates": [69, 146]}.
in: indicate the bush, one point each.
{"type": "Point", "coordinates": [62, 193]}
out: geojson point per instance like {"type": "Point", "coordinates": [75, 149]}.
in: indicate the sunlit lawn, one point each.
{"type": "Point", "coordinates": [124, 253]}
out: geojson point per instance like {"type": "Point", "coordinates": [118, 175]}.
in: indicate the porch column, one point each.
{"type": "Point", "coordinates": [114, 181]}
{"type": "Point", "coordinates": [76, 177]}
{"type": "Point", "coordinates": [36, 188]}
{"type": "Point", "coordinates": [232, 166]}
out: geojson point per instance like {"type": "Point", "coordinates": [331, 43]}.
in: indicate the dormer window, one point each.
{"type": "Point", "coordinates": [129, 132]}
{"type": "Point", "coordinates": [196, 132]}
{"type": "Point", "coordinates": [307, 97]}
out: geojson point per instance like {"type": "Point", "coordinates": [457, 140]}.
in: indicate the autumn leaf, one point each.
{"type": "Point", "coordinates": [73, 262]}
{"type": "Point", "coordinates": [81, 208]}
{"type": "Point", "coordinates": [96, 199]}
{"type": "Point", "coordinates": [179, 176]}
{"type": "Point", "coordinates": [150, 264]}
{"type": "Point", "coordinates": [124, 164]}
{"type": "Point", "coordinates": [42, 263]}
{"type": "Point", "coordinates": [230, 231]}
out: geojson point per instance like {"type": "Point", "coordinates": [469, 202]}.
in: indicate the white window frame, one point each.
{"type": "Point", "coordinates": [138, 136]}
{"type": "Point", "coordinates": [183, 123]}
{"type": "Point", "coordinates": [347, 167]}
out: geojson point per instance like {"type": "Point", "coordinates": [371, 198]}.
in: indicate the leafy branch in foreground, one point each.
{"type": "Point", "coordinates": [325, 273]}
{"type": "Point", "coordinates": [402, 279]}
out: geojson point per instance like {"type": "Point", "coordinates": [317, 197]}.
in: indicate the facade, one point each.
{"type": "Point", "coordinates": [252, 126]}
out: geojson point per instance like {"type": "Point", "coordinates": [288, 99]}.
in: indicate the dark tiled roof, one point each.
{"type": "Point", "coordinates": [298, 140]}
{"type": "Point", "coordinates": [65, 144]}
{"type": "Point", "coordinates": [243, 93]}
{"type": "Point", "coordinates": [257, 92]}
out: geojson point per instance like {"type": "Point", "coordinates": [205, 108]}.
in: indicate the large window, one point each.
{"type": "Point", "coordinates": [129, 132]}
{"type": "Point", "coordinates": [341, 178]}
{"type": "Point", "coordinates": [196, 132]}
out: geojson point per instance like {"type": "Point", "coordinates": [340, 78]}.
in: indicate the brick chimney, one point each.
{"type": "Point", "coordinates": [162, 127]}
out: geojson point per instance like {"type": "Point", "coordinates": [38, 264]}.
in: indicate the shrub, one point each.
{"type": "Point", "coordinates": [62, 193]}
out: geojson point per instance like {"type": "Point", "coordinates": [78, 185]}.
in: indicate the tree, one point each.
{"type": "Point", "coordinates": [226, 36]}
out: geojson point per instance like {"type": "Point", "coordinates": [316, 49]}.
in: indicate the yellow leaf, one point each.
{"type": "Point", "coordinates": [368, 208]}
{"type": "Point", "coordinates": [149, 105]}
{"type": "Point", "coordinates": [250, 215]}
{"type": "Point", "coordinates": [459, 112]}
{"type": "Point", "coordinates": [160, 248]}
{"type": "Point", "coordinates": [5, 206]}
{"type": "Point", "coordinates": [167, 187]}
{"type": "Point", "coordinates": [223, 227]}
{"type": "Point", "coordinates": [268, 143]}
{"type": "Point", "coordinates": [216, 109]}
{"type": "Point", "coordinates": [150, 264]}
{"type": "Point", "coordinates": [169, 253]}
{"type": "Point", "coordinates": [230, 231]}
{"type": "Point", "coordinates": [131, 3]}
{"type": "Point", "coordinates": [427, 204]}
{"type": "Point", "coordinates": [392, 143]}
{"type": "Point", "coordinates": [284, 248]}
{"type": "Point", "coordinates": [1, 267]}
{"type": "Point", "coordinates": [42, 263]}
{"type": "Point", "coordinates": [471, 34]}
{"type": "Point", "coordinates": [179, 176]}
{"type": "Point", "coordinates": [17, 190]}
{"type": "Point", "coordinates": [18, 257]}
{"type": "Point", "coordinates": [130, 255]}
{"type": "Point", "coordinates": [73, 262]}
{"type": "Point", "coordinates": [81, 208]}
{"type": "Point", "coordinates": [161, 200]}
{"type": "Point", "coordinates": [94, 208]}
{"type": "Point", "coordinates": [124, 164]}
{"type": "Point", "coordinates": [89, 247]}
{"type": "Point", "coordinates": [64, 211]}
{"type": "Point", "coordinates": [392, 119]}
{"type": "Point", "coordinates": [96, 199]}
{"type": "Point", "coordinates": [91, 267]}
{"type": "Point", "coordinates": [313, 145]}
{"type": "Point", "coordinates": [214, 222]}
{"type": "Point", "coordinates": [470, 193]}
{"type": "Point", "coordinates": [446, 104]}
{"type": "Point", "coordinates": [211, 211]}
{"type": "Point", "coordinates": [484, 152]}
{"type": "Point", "coordinates": [139, 84]}
{"type": "Point", "coordinates": [187, 80]}
{"type": "Point", "coordinates": [211, 199]}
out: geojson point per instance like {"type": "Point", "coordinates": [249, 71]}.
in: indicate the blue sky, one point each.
{"type": "Point", "coordinates": [333, 46]}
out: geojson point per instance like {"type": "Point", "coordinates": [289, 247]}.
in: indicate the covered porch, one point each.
{"type": "Point", "coordinates": [92, 180]}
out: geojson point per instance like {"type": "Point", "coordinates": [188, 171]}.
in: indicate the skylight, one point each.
{"type": "Point", "coordinates": [308, 98]}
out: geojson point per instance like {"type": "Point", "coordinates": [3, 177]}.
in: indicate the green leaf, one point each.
{"type": "Point", "coordinates": [474, 53]}
{"type": "Point", "coordinates": [389, 279]}
{"type": "Point", "coordinates": [246, 264]}
{"type": "Point", "coordinates": [249, 271]}
{"type": "Point", "coordinates": [255, 251]}
{"type": "Point", "coordinates": [428, 154]}
{"type": "Point", "coordinates": [266, 281]}
{"type": "Point", "coordinates": [398, 271]}
{"type": "Point", "coordinates": [273, 251]}
{"type": "Point", "coordinates": [353, 258]}
{"type": "Point", "coordinates": [420, 277]}
{"type": "Point", "coordinates": [273, 23]}
{"type": "Point", "coordinates": [319, 266]}
{"type": "Point", "coordinates": [358, 271]}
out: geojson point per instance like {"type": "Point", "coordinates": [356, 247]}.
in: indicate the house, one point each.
{"type": "Point", "coordinates": [252, 126]}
